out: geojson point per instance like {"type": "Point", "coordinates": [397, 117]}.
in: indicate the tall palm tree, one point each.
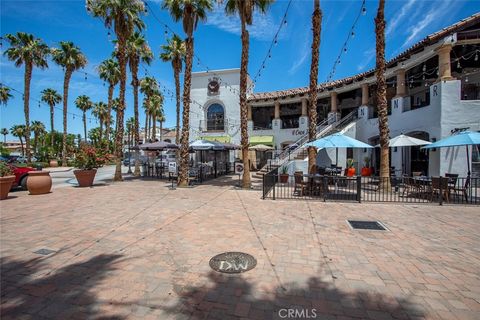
{"type": "Point", "coordinates": [161, 119]}
{"type": "Point", "coordinates": [155, 109]}
{"type": "Point", "coordinates": [109, 71]}
{"type": "Point", "coordinates": [5, 95]}
{"type": "Point", "coordinates": [245, 11]}
{"type": "Point", "coordinates": [71, 59]}
{"type": "Point", "coordinates": [84, 103]}
{"type": "Point", "coordinates": [51, 97]}
{"type": "Point", "coordinates": [130, 128]}
{"type": "Point", "coordinates": [174, 51]}
{"type": "Point", "coordinates": [382, 96]}
{"type": "Point", "coordinates": [312, 107]}
{"type": "Point", "coordinates": [124, 15]}
{"type": "Point", "coordinates": [189, 12]}
{"type": "Point", "coordinates": [4, 132]}
{"type": "Point", "coordinates": [100, 110]}
{"type": "Point", "coordinates": [38, 128]}
{"type": "Point", "coordinates": [137, 51]}
{"type": "Point", "coordinates": [32, 52]}
{"type": "Point", "coordinates": [19, 131]}
{"type": "Point", "coordinates": [149, 87]}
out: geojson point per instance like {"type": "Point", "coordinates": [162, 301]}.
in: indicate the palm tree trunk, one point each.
{"type": "Point", "coordinates": [244, 107]}
{"type": "Point", "coordinates": [35, 142]}
{"type": "Point", "coordinates": [52, 142]}
{"type": "Point", "coordinates": [150, 135]}
{"type": "Point", "coordinates": [136, 133]}
{"type": "Point", "coordinates": [161, 130]}
{"type": "Point", "coordinates": [85, 125]}
{"type": "Point", "coordinates": [382, 97]}
{"type": "Point", "coordinates": [109, 112]}
{"type": "Point", "coordinates": [21, 145]}
{"type": "Point", "coordinates": [154, 131]}
{"type": "Point", "coordinates": [176, 74]}
{"type": "Point", "coordinates": [68, 74]}
{"type": "Point", "coordinates": [183, 170]}
{"type": "Point", "coordinates": [4, 138]}
{"type": "Point", "coordinates": [26, 108]}
{"type": "Point", "coordinates": [312, 109]}
{"type": "Point", "coordinates": [122, 61]}
{"type": "Point", "coordinates": [145, 134]}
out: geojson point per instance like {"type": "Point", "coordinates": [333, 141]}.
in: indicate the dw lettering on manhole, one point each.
{"type": "Point", "coordinates": [233, 262]}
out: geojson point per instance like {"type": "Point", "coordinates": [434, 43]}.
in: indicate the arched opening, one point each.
{"type": "Point", "coordinates": [215, 118]}
{"type": "Point", "coordinates": [418, 157]}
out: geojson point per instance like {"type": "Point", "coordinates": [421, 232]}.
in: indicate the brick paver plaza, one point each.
{"type": "Point", "coordinates": [137, 250]}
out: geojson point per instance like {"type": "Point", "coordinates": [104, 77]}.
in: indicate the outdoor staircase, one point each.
{"type": "Point", "coordinates": [300, 152]}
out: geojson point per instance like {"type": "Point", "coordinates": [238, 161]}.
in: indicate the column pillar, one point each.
{"type": "Point", "coordinates": [365, 94]}
{"type": "Point", "coordinates": [444, 68]}
{"type": "Point", "coordinates": [363, 109]}
{"type": "Point", "coordinates": [333, 115]}
{"type": "Point", "coordinates": [304, 107]}
{"type": "Point", "coordinates": [249, 112]}
{"type": "Point", "coordinates": [401, 84]}
{"type": "Point", "coordinates": [303, 124]}
{"type": "Point", "coordinates": [277, 110]}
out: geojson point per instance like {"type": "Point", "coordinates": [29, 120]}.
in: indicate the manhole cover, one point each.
{"type": "Point", "coordinates": [366, 225]}
{"type": "Point", "coordinates": [233, 262]}
{"type": "Point", "coordinates": [44, 252]}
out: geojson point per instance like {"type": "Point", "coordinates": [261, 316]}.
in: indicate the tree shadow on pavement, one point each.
{"type": "Point", "coordinates": [28, 292]}
{"type": "Point", "coordinates": [232, 297]}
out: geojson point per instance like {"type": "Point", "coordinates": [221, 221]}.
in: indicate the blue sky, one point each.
{"type": "Point", "coordinates": [217, 44]}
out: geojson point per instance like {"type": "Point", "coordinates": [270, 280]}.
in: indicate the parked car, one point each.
{"type": "Point", "coordinates": [22, 159]}
{"type": "Point", "coordinates": [21, 174]}
{"type": "Point", "coordinates": [142, 159]}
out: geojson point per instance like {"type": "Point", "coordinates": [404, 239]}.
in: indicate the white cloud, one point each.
{"type": "Point", "coordinates": [263, 27]}
{"type": "Point", "coordinates": [399, 16]}
{"type": "Point", "coordinates": [367, 58]}
{"type": "Point", "coordinates": [304, 54]}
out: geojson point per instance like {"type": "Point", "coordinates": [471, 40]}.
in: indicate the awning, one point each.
{"type": "Point", "coordinates": [222, 139]}
{"type": "Point", "coordinates": [266, 140]}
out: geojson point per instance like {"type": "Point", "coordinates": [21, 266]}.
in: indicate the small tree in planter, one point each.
{"type": "Point", "coordinates": [284, 174]}
{"type": "Point", "coordinates": [350, 168]}
{"type": "Point", "coordinates": [366, 170]}
{"type": "Point", "coordinates": [6, 180]}
{"type": "Point", "coordinates": [88, 159]}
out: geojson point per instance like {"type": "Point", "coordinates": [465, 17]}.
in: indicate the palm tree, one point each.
{"type": "Point", "coordinates": [4, 132]}
{"type": "Point", "coordinates": [109, 71]}
{"type": "Point", "coordinates": [19, 131]}
{"type": "Point", "coordinates": [51, 97]}
{"type": "Point", "coordinates": [84, 103]}
{"type": "Point", "coordinates": [5, 95]}
{"type": "Point", "coordinates": [137, 51]}
{"type": "Point", "coordinates": [174, 52]}
{"type": "Point", "coordinates": [161, 119]}
{"type": "Point", "coordinates": [100, 110]}
{"type": "Point", "coordinates": [38, 129]}
{"type": "Point", "coordinates": [382, 96]}
{"type": "Point", "coordinates": [312, 107]}
{"type": "Point", "coordinates": [245, 11]}
{"type": "Point", "coordinates": [71, 59]}
{"type": "Point", "coordinates": [190, 12]}
{"type": "Point", "coordinates": [124, 16]}
{"type": "Point", "coordinates": [149, 87]}
{"type": "Point", "coordinates": [155, 109]}
{"type": "Point", "coordinates": [32, 52]}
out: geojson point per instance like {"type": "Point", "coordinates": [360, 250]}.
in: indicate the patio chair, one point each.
{"type": "Point", "coordinates": [439, 185]}
{"type": "Point", "coordinates": [410, 186]}
{"type": "Point", "coordinates": [462, 189]}
{"type": "Point", "coordinates": [300, 184]}
{"type": "Point", "coordinates": [452, 180]}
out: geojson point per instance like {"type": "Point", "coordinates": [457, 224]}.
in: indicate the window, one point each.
{"type": "Point", "coordinates": [215, 118]}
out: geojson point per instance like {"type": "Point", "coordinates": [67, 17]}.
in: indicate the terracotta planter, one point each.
{"type": "Point", "coordinates": [351, 172]}
{"type": "Point", "coordinates": [85, 177]}
{"type": "Point", "coordinates": [366, 172]}
{"type": "Point", "coordinates": [5, 186]}
{"type": "Point", "coordinates": [39, 182]}
{"type": "Point", "coordinates": [53, 163]}
{"type": "Point", "coordinates": [283, 178]}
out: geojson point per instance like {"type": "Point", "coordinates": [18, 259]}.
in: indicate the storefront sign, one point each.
{"type": "Point", "coordinates": [297, 132]}
{"type": "Point", "coordinates": [239, 168]}
{"type": "Point", "coordinates": [172, 167]}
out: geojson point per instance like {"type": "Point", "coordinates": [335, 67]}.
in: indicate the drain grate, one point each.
{"type": "Point", "coordinates": [366, 225]}
{"type": "Point", "coordinates": [44, 252]}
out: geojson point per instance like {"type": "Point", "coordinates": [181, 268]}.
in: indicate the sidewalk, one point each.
{"type": "Point", "coordinates": [58, 169]}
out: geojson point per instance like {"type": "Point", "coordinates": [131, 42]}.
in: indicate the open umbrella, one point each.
{"type": "Point", "coordinates": [260, 147]}
{"type": "Point", "coordinates": [206, 145]}
{"type": "Point", "coordinates": [464, 138]}
{"type": "Point", "coordinates": [337, 140]}
{"type": "Point", "coordinates": [158, 146]}
{"type": "Point", "coordinates": [406, 141]}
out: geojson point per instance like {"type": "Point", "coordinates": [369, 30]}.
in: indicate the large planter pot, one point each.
{"type": "Point", "coordinates": [283, 178]}
{"type": "Point", "coordinates": [350, 172]}
{"type": "Point", "coordinates": [39, 182]}
{"type": "Point", "coordinates": [53, 163]}
{"type": "Point", "coordinates": [85, 177]}
{"type": "Point", "coordinates": [5, 186]}
{"type": "Point", "coordinates": [366, 172]}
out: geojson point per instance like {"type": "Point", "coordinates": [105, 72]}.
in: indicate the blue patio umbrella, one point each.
{"type": "Point", "coordinates": [464, 138]}
{"type": "Point", "coordinates": [337, 140]}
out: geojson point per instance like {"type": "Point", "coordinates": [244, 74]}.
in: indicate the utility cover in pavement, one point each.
{"type": "Point", "coordinates": [366, 225]}
{"type": "Point", "coordinates": [233, 262]}
{"type": "Point", "coordinates": [44, 252]}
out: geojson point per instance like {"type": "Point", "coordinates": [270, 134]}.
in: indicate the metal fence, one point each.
{"type": "Point", "coordinates": [438, 190]}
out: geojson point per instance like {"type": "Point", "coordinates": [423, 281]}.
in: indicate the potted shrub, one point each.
{"type": "Point", "coordinates": [88, 159]}
{"type": "Point", "coordinates": [350, 169]}
{"type": "Point", "coordinates": [6, 180]}
{"type": "Point", "coordinates": [366, 170]}
{"type": "Point", "coordinates": [284, 174]}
